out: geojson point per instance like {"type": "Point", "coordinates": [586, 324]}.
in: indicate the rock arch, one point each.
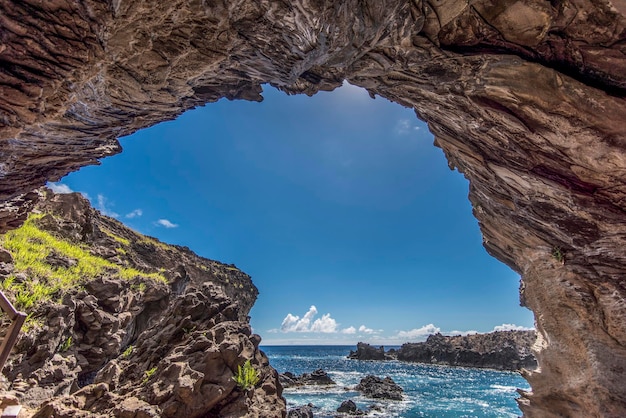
{"type": "Point", "coordinates": [526, 98]}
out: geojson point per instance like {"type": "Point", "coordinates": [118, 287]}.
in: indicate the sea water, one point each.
{"type": "Point", "coordinates": [429, 391]}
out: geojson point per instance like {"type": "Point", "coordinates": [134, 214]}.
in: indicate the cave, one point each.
{"type": "Point", "coordinates": [526, 98]}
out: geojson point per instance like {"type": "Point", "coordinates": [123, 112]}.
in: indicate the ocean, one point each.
{"type": "Point", "coordinates": [430, 391]}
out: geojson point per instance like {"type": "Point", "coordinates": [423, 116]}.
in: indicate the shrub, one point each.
{"type": "Point", "coordinates": [246, 377]}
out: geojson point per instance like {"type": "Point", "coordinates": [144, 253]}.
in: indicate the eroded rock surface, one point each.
{"type": "Point", "coordinates": [526, 98]}
{"type": "Point", "coordinates": [505, 350]}
{"type": "Point", "coordinates": [157, 332]}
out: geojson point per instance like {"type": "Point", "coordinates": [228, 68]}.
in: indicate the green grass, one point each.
{"type": "Point", "coordinates": [116, 238]}
{"type": "Point", "coordinates": [30, 246]}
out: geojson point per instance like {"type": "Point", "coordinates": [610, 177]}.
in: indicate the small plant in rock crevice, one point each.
{"type": "Point", "coordinates": [558, 255]}
{"type": "Point", "coordinates": [66, 344]}
{"type": "Point", "coordinates": [128, 351]}
{"type": "Point", "coordinates": [148, 374]}
{"type": "Point", "coordinates": [246, 377]}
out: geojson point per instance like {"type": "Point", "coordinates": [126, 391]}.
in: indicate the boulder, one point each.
{"type": "Point", "coordinates": [347, 407]}
{"type": "Point", "coordinates": [377, 388]}
{"type": "Point", "coordinates": [305, 411]}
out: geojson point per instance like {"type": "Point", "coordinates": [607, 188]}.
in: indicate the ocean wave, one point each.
{"type": "Point", "coordinates": [504, 388]}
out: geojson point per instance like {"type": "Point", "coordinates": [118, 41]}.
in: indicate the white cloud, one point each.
{"type": "Point", "coordinates": [60, 188]}
{"type": "Point", "coordinates": [324, 324]}
{"type": "Point", "coordinates": [406, 126]}
{"type": "Point", "coordinates": [166, 223]}
{"type": "Point", "coordinates": [418, 333]}
{"type": "Point", "coordinates": [102, 205]}
{"type": "Point", "coordinates": [134, 214]}
{"type": "Point", "coordinates": [365, 330]}
{"type": "Point", "coordinates": [511, 327]}
{"type": "Point", "coordinates": [349, 330]}
{"type": "Point", "coordinates": [293, 323]}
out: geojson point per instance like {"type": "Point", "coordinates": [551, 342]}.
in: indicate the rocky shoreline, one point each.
{"type": "Point", "coordinates": [370, 386]}
{"type": "Point", "coordinates": [145, 330]}
{"type": "Point", "coordinates": [500, 350]}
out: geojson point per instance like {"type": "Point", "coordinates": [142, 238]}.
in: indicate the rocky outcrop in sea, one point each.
{"type": "Point", "coordinates": [121, 324]}
{"type": "Point", "coordinates": [316, 378]}
{"type": "Point", "coordinates": [377, 388]}
{"type": "Point", "coordinates": [501, 350]}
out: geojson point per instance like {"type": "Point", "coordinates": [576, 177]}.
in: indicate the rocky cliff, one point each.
{"type": "Point", "coordinates": [525, 97]}
{"type": "Point", "coordinates": [121, 324]}
{"type": "Point", "coordinates": [505, 350]}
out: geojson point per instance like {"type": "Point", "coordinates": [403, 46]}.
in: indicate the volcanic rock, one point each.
{"type": "Point", "coordinates": [377, 388]}
{"type": "Point", "coordinates": [160, 333]}
{"type": "Point", "coordinates": [318, 378]}
{"type": "Point", "coordinates": [365, 351]}
{"type": "Point", "coordinates": [348, 407]}
{"type": "Point", "coordinates": [525, 97]}
{"type": "Point", "coordinates": [503, 350]}
{"type": "Point", "coordinates": [300, 412]}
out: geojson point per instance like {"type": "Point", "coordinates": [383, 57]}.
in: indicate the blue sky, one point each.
{"type": "Point", "coordinates": [346, 216]}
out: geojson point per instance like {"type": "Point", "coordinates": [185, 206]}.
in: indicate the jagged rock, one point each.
{"type": "Point", "coordinates": [139, 347]}
{"type": "Point", "coordinates": [503, 350]}
{"type": "Point", "coordinates": [319, 377]}
{"type": "Point", "coordinates": [348, 407]}
{"type": "Point", "coordinates": [525, 97]}
{"type": "Point", "coordinates": [365, 351]}
{"type": "Point", "coordinates": [305, 411]}
{"type": "Point", "coordinates": [377, 388]}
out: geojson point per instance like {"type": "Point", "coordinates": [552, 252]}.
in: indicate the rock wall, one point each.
{"type": "Point", "coordinates": [131, 327]}
{"type": "Point", "coordinates": [526, 98]}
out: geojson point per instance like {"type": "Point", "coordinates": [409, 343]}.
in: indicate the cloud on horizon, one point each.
{"type": "Point", "coordinates": [366, 330]}
{"type": "Point", "coordinates": [325, 325]}
{"type": "Point", "coordinates": [166, 223]}
{"type": "Point", "coordinates": [512, 327]}
{"type": "Point", "coordinates": [418, 333]}
{"type": "Point", "coordinates": [349, 330]}
{"type": "Point", "coordinates": [293, 323]}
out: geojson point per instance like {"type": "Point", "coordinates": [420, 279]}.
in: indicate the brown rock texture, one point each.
{"type": "Point", "coordinates": [526, 98]}
{"type": "Point", "coordinates": [157, 332]}
{"type": "Point", "coordinates": [500, 350]}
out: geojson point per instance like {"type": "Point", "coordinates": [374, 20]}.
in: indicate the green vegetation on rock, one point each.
{"type": "Point", "coordinates": [246, 377]}
{"type": "Point", "coordinates": [32, 248]}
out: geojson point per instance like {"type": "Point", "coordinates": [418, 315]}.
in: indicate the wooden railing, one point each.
{"type": "Point", "coordinates": [17, 320]}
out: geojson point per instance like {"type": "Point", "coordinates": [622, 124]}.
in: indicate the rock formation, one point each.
{"type": "Point", "coordinates": [525, 97]}
{"type": "Point", "coordinates": [317, 378]}
{"type": "Point", "coordinates": [365, 351]}
{"type": "Point", "coordinates": [131, 326]}
{"type": "Point", "coordinates": [377, 388]}
{"type": "Point", "coordinates": [505, 350]}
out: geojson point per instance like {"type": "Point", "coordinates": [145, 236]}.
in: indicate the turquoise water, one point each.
{"type": "Point", "coordinates": [430, 391]}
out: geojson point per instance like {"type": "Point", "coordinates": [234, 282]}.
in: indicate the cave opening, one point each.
{"type": "Point", "coordinates": [334, 203]}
